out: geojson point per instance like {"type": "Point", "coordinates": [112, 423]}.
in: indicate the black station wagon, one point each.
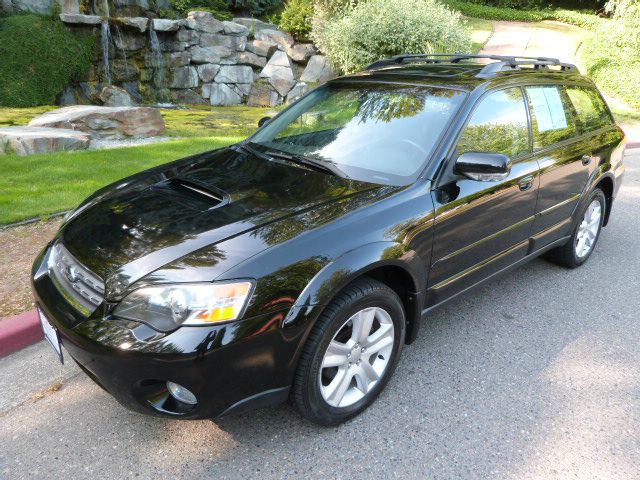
{"type": "Point", "coordinates": [297, 263]}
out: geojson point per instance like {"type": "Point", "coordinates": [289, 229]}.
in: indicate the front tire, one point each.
{"type": "Point", "coordinates": [585, 233]}
{"type": "Point", "coordinates": [350, 354]}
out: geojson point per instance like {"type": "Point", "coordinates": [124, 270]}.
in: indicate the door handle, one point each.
{"type": "Point", "coordinates": [586, 159]}
{"type": "Point", "coordinates": [526, 183]}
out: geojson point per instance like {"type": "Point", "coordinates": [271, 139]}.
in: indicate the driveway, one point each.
{"type": "Point", "coordinates": [536, 375]}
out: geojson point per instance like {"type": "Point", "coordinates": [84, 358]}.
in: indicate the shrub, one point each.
{"type": "Point", "coordinates": [39, 58]}
{"type": "Point", "coordinates": [477, 10]}
{"type": "Point", "coordinates": [542, 4]}
{"type": "Point", "coordinates": [626, 14]}
{"type": "Point", "coordinates": [381, 28]}
{"type": "Point", "coordinates": [225, 9]}
{"type": "Point", "coordinates": [296, 18]}
{"type": "Point", "coordinates": [323, 12]}
{"type": "Point", "coordinates": [255, 7]}
{"type": "Point", "coordinates": [328, 9]}
{"type": "Point", "coordinates": [611, 68]}
{"type": "Point", "coordinates": [584, 19]}
{"type": "Point", "coordinates": [528, 4]}
{"type": "Point", "coordinates": [219, 8]}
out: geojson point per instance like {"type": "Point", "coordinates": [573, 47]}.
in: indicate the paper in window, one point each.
{"type": "Point", "coordinates": [548, 108]}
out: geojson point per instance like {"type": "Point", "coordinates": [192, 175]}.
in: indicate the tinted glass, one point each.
{"type": "Point", "coordinates": [498, 125]}
{"type": "Point", "coordinates": [590, 108]}
{"type": "Point", "coordinates": [376, 133]}
{"type": "Point", "coordinates": [551, 117]}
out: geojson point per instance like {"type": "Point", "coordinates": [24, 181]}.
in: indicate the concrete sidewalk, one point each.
{"type": "Point", "coordinates": [32, 372]}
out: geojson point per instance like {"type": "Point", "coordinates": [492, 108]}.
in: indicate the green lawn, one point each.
{"type": "Point", "coordinates": [197, 121]}
{"type": "Point", "coordinates": [214, 121]}
{"type": "Point", "coordinates": [42, 184]}
{"type": "Point", "coordinates": [21, 116]}
{"type": "Point", "coordinates": [39, 185]}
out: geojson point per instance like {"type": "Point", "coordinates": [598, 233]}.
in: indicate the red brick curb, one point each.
{"type": "Point", "coordinates": [19, 331]}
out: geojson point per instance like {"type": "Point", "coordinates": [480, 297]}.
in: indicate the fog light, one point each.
{"type": "Point", "coordinates": [181, 393]}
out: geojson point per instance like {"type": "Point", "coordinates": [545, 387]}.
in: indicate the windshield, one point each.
{"type": "Point", "coordinates": [376, 133]}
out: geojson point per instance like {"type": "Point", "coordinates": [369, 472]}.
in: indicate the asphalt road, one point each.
{"type": "Point", "coordinates": [536, 375]}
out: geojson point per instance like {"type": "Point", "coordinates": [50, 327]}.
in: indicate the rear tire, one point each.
{"type": "Point", "coordinates": [585, 233]}
{"type": "Point", "coordinates": [350, 354]}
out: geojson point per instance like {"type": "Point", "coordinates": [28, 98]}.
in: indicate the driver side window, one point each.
{"type": "Point", "coordinates": [498, 125]}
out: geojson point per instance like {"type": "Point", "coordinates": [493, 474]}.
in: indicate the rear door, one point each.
{"type": "Point", "coordinates": [564, 156]}
{"type": "Point", "coordinates": [600, 134]}
{"type": "Point", "coordinates": [484, 226]}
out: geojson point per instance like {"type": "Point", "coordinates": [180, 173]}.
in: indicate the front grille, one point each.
{"type": "Point", "coordinates": [81, 288]}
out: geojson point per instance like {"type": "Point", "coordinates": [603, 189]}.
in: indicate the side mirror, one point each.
{"type": "Point", "coordinates": [263, 120]}
{"type": "Point", "coordinates": [483, 166]}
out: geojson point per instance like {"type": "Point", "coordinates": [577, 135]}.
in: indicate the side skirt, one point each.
{"type": "Point", "coordinates": [522, 261]}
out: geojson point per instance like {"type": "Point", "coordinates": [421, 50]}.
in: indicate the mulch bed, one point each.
{"type": "Point", "coordinates": [18, 248]}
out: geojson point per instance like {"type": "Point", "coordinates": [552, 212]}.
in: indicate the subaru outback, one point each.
{"type": "Point", "coordinates": [295, 265]}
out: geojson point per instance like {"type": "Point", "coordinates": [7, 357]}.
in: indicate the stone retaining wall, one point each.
{"type": "Point", "coordinates": [196, 60]}
{"type": "Point", "coordinates": [122, 7]}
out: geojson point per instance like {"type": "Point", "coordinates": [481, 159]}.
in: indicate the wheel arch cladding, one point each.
{"type": "Point", "coordinates": [391, 263]}
{"type": "Point", "coordinates": [606, 185]}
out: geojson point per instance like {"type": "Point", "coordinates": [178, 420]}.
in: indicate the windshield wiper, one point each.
{"type": "Point", "coordinates": [253, 151]}
{"type": "Point", "coordinates": [308, 162]}
{"type": "Point", "coordinates": [300, 159]}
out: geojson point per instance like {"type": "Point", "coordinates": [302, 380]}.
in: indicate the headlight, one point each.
{"type": "Point", "coordinates": [167, 307]}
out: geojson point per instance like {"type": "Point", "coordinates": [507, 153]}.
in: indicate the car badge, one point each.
{"type": "Point", "coordinates": [71, 274]}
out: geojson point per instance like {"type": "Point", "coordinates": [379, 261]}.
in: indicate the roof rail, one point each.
{"type": "Point", "coordinates": [501, 63]}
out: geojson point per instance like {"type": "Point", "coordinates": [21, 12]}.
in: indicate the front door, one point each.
{"type": "Point", "coordinates": [483, 226]}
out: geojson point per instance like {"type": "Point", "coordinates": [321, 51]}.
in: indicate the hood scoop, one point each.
{"type": "Point", "coordinates": [151, 220]}
{"type": "Point", "coordinates": [211, 195]}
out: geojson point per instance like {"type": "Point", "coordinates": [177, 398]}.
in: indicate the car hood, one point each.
{"type": "Point", "coordinates": [140, 224]}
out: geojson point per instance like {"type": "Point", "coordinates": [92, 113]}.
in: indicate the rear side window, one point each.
{"type": "Point", "coordinates": [498, 125]}
{"type": "Point", "coordinates": [551, 116]}
{"type": "Point", "coordinates": [590, 108]}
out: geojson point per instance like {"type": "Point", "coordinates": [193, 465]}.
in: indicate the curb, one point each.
{"type": "Point", "coordinates": [30, 221]}
{"type": "Point", "coordinates": [19, 331]}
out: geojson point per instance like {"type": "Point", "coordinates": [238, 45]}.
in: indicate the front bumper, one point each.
{"type": "Point", "coordinates": [228, 367]}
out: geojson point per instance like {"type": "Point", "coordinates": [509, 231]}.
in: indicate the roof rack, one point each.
{"type": "Point", "coordinates": [501, 63]}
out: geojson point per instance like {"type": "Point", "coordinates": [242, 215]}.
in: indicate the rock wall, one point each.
{"type": "Point", "coordinates": [197, 60]}
{"type": "Point", "coordinates": [36, 6]}
{"type": "Point", "coordinates": [116, 7]}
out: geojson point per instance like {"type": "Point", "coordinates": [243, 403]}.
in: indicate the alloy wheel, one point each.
{"type": "Point", "coordinates": [356, 357]}
{"type": "Point", "coordinates": [588, 229]}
